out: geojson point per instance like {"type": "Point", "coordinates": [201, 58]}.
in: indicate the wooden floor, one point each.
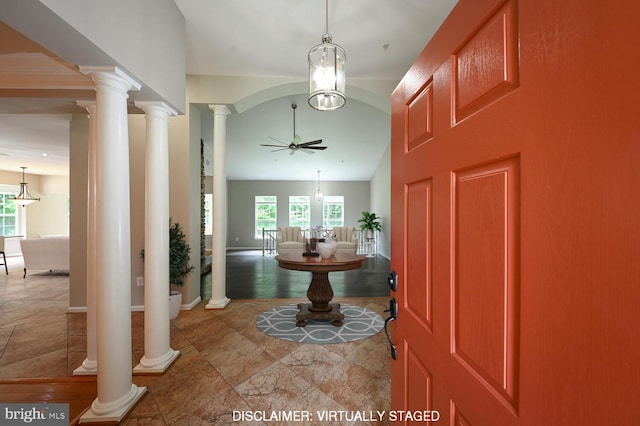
{"type": "Point", "coordinates": [253, 276]}
{"type": "Point", "coordinates": [80, 390]}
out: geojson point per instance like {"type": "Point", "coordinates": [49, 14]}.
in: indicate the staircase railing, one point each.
{"type": "Point", "coordinates": [269, 237]}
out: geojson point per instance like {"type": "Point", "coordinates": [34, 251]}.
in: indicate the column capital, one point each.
{"type": "Point", "coordinates": [107, 73]}
{"type": "Point", "coordinates": [89, 105]}
{"type": "Point", "coordinates": [155, 106]}
{"type": "Point", "coordinates": [220, 110]}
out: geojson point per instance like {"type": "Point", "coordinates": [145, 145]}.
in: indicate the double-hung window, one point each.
{"type": "Point", "coordinates": [8, 215]}
{"type": "Point", "coordinates": [266, 213]}
{"type": "Point", "coordinates": [332, 211]}
{"type": "Point", "coordinates": [299, 211]}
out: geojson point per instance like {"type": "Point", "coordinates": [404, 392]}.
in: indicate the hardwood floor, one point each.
{"type": "Point", "coordinates": [253, 276]}
{"type": "Point", "coordinates": [226, 364]}
{"type": "Point", "coordinates": [79, 392]}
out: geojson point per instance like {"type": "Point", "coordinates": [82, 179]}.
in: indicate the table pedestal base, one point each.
{"type": "Point", "coordinates": [307, 312]}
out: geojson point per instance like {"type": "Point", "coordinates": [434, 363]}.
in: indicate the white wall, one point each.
{"type": "Point", "coordinates": [381, 202]}
{"type": "Point", "coordinates": [144, 38]}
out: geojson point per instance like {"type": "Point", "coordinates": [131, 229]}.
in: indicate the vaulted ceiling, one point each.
{"type": "Point", "coordinates": [238, 38]}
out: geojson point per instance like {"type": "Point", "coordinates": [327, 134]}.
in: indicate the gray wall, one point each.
{"type": "Point", "coordinates": [241, 198]}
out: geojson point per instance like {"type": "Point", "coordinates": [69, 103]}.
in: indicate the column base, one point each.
{"type": "Point", "coordinates": [158, 366]}
{"type": "Point", "coordinates": [118, 414]}
{"type": "Point", "coordinates": [218, 303]}
{"type": "Point", "coordinates": [88, 368]}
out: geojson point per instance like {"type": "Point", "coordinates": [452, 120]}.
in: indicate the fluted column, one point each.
{"type": "Point", "coordinates": [90, 364]}
{"type": "Point", "coordinates": [219, 300]}
{"type": "Point", "coordinates": [158, 355]}
{"type": "Point", "coordinates": [116, 392]}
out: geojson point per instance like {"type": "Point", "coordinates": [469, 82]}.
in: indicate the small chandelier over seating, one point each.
{"type": "Point", "coordinates": [319, 194]}
{"type": "Point", "coordinates": [23, 198]}
{"type": "Point", "coordinates": [326, 73]}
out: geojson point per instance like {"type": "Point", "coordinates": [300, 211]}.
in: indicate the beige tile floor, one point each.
{"type": "Point", "coordinates": [226, 363]}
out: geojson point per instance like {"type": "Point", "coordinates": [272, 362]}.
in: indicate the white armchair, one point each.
{"type": "Point", "coordinates": [290, 240]}
{"type": "Point", "coordinates": [347, 239]}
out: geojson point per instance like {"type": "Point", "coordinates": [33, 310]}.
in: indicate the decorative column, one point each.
{"type": "Point", "coordinates": [90, 364]}
{"type": "Point", "coordinates": [158, 355]}
{"type": "Point", "coordinates": [219, 300]}
{"type": "Point", "coordinates": [117, 394]}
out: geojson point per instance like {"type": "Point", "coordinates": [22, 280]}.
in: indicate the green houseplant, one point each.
{"type": "Point", "coordinates": [369, 222]}
{"type": "Point", "coordinates": [179, 255]}
{"type": "Point", "coordinates": [179, 267]}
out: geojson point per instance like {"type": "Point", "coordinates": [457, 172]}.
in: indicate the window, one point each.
{"type": "Point", "coordinates": [332, 211]}
{"type": "Point", "coordinates": [299, 211]}
{"type": "Point", "coordinates": [8, 214]}
{"type": "Point", "coordinates": [266, 208]}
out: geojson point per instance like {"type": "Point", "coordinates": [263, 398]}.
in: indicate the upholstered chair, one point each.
{"type": "Point", "coordinates": [290, 240]}
{"type": "Point", "coordinates": [347, 239]}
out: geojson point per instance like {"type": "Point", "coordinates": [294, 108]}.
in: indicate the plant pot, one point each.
{"type": "Point", "coordinates": [175, 301]}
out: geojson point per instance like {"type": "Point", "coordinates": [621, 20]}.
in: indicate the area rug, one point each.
{"type": "Point", "coordinates": [359, 323]}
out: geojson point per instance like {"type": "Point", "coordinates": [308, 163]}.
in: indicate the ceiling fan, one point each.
{"type": "Point", "coordinates": [295, 145]}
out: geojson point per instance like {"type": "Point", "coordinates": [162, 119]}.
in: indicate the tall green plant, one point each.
{"type": "Point", "coordinates": [369, 221]}
{"type": "Point", "coordinates": [179, 255]}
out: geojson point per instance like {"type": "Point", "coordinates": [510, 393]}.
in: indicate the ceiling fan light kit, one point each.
{"type": "Point", "coordinates": [327, 73]}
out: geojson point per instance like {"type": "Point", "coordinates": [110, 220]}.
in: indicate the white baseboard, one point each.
{"type": "Point", "coordinates": [139, 308]}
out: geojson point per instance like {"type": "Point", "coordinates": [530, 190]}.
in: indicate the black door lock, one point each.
{"type": "Point", "coordinates": [392, 280]}
{"type": "Point", "coordinates": [393, 315]}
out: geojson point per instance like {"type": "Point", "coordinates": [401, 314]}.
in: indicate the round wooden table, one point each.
{"type": "Point", "coordinates": [320, 292]}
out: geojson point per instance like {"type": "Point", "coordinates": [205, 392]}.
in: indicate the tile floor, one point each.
{"type": "Point", "coordinates": [226, 364]}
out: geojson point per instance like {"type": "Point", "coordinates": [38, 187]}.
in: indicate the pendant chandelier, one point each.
{"type": "Point", "coordinates": [319, 194]}
{"type": "Point", "coordinates": [23, 198]}
{"type": "Point", "coordinates": [326, 73]}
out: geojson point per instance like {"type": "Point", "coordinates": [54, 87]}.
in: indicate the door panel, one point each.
{"type": "Point", "coordinates": [418, 237]}
{"type": "Point", "coordinates": [515, 229]}
{"type": "Point", "coordinates": [485, 241]}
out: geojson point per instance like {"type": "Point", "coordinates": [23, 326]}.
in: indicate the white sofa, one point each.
{"type": "Point", "coordinates": [51, 254]}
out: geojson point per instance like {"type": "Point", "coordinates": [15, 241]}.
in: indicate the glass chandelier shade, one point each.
{"type": "Point", "coordinates": [319, 193]}
{"type": "Point", "coordinates": [327, 74]}
{"type": "Point", "coordinates": [24, 198]}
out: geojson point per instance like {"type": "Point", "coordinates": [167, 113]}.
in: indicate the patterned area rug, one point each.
{"type": "Point", "coordinates": [359, 323]}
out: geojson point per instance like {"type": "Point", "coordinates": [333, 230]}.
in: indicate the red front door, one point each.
{"type": "Point", "coordinates": [516, 217]}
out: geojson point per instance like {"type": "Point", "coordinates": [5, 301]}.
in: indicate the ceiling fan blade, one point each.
{"type": "Point", "coordinates": [296, 139]}
{"type": "Point", "coordinates": [314, 147]}
{"type": "Point", "coordinates": [279, 146]}
{"type": "Point", "coordinates": [306, 151]}
{"type": "Point", "coordinates": [311, 142]}
{"type": "Point", "coordinates": [292, 151]}
{"type": "Point", "coordinates": [279, 141]}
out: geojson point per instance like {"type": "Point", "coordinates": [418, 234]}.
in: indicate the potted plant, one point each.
{"type": "Point", "coordinates": [179, 267]}
{"type": "Point", "coordinates": [369, 223]}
